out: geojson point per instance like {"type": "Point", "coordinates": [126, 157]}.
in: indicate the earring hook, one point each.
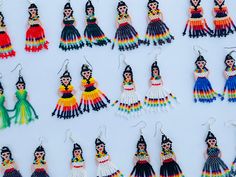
{"type": "Point", "coordinates": [157, 53]}
{"type": "Point", "coordinates": [198, 49]}
{"type": "Point", "coordinates": [0, 76]}
{"type": "Point", "coordinates": [18, 65]}
{"type": "Point", "coordinates": [85, 58]}
{"type": "Point", "coordinates": [141, 128]}
{"type": "Point", "coordinates": [230, 122]}
{"type": "Point", "coordinates": [42, 139]}
{"type": "Point", "coordinates": [69, 136]}
{"type": "Point", "coordinates": [31, 2]}
{"type": "Point", "coordinates": [210, 122]}
{"type": "Point", "coordinates": [232, 51]}
{"type": "Point", "coordinates": [161, 128]}
{"type": "Point", "coordinates": [65, 63]}
{"type": "Point", "coordinates": [123, 57]}
{"type": "Point", "coordinates": [101, 132]}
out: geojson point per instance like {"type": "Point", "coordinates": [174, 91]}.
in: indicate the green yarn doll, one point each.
{"type": "Point", "coordinates": [4, 117]}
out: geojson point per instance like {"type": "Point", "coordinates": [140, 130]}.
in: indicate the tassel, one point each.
{"type": "Point", "coordinates": [233, 169]}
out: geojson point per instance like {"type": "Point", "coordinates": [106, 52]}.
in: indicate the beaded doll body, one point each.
{"type": "Point", "coordinates": [8, 165]}
{"type": "Point", "coordinates": [233, 169]}
{"type": "Point", "coordinates": [126, 36]}
{"type": "Point", "coordinates": [35, 35]}
{"type": "Point", "coordinates": [5, 120]}
{"type": "Point", "coordinates": [93, 34]}
{"type": "Point", "coordinates": [230, 75]}
{"type": "Point", "coordinates": [196, 23]}
{"type": "Point", "coordinates": [6, 49]}
{"type": "Point", "coordinates": [157, 97]}
{"type": "Point", "coordinates": [70, 36]}
{"type": "Point", "coordinates": [169, 166]}
{"type": "Point", "coordinates": [224, 25]}
{"type": "Point", "coordinates": [157, 31]}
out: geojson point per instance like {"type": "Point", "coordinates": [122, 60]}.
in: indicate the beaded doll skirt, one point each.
{"type": "Point", "coordinates": [39, 173]}
{"type": "Point", "coordinates": [94, 35]}
{"type": "Point", "coordinates": [216, 167]}
{"type": "Point", "coordinates": [6, 49]}
{"type": "Point", "coordinates": [78, 172]}
{"type": "Point", "coordinates": [67, 108]}
{"type": "Point", "coordinates": [142, 169]}
{"type": "Point", "coordinates": [233, 169]}
{"type": "Point", "coordinates": [70, 39]}
{"type": "Point", "coordinates": [224, 26]}
{"type": "Point", "coordinates": [127, 37]}
{"type": "Point", "coordinates": [12, 173]}
{"type": "Point", "coordinates": [157, 33]}
{"type": "Point", "coordinates": [108, 169]}
{"type": "Point", "coordinates": [35, 39]}
{"type": "Point", "coordinates": [230, 89]}
{"type": "Point", "coordinates": [203, 91]}
{"type": "Point", "coordinates": [130, 104]}
{"type": "Point", "coordinates": [5, 120]}
{"type": "Point", "coordinates": [157, 98]}
{"type": "Point", "coordinates": [169, 169]}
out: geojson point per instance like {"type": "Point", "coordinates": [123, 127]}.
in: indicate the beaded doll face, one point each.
{"type": "Point", "coordinates": [220, 2]}
{"type": "Point", "coordinates": [90, 11]}
{"type": "Point", "coordinates": [67, 12]}
{"type": "Point", "coordinates": [141, 146]}
{"type": "Point", "coordinates": [100, 148]}
{"type": "Point", "coordinates": [155, 72]}
{"type": "Point", "coordinates": [1, 91]}
{"type": "Point", "coordinates": [6, 155]}
{"type": "Point", "coordinates": [65, 80]}
{"type": "Point", "coordinates": [77, 152]}
{"type": "Point", "coordinates": [20, 86]}
{"type": "Point", "coordinates": [86, 74]}
{"type": "Point", "coordinates": [33, 12]}
{"type": "Point", "coordinates": [201, 64]}
{"type": "Point", "coordinates": [39, 155]}
{"type": "Point", "coordinates": [153, 5]}
{"type": "Point", "coordinates": [230, 63]}
{"type": "Point", "coordinates": [211, 142]}
{"type": "Point", "coordinates": [195, 2]}
{"type": "Point", "coordinates": [127, 76]}
{"type": "Point", "coordinates": [166, 146]}
{"type": "Point", "coordinates": [122, 10]}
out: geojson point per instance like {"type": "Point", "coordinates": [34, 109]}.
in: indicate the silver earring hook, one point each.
{"type": "Point", "coordinates": [232, 51]}
{"type": "Point", "coordinates": [68, 134]}
{"type": "Point", "coordinates": [42, 139]}
{"type": "Point", "coordinates": [0, 76]}
{"type": "Point", "coordinates": [158, 52]}
{"type": "Point", "coordinates": [18, 65]}
{"type": "Point", "coordinates": [30, 2]}
{"type": "Point", "coordinates": [230, 122]}
{"type": "Point", "coordinates": [65, 63]}
{"type": "Point", "coordinates": [123, 58]}
{"type": "Point", "coordinates": [210, 122]}
{"type": "Point", "coordinates": [85, 58]}
{"type": "Point", "coordinates": [199, 49]}
{"type": "Point", "coordinates": [141, 128]}
{"type": "Point", "coordinates": [161, 128]}
{"type": "Point", "coordinates": [1, 3]}
{"type": "Point", "coordinates": [102, 131]}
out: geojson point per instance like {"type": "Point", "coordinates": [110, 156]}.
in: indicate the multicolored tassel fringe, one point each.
{"type": "Point", "coordinates": [233, 168]}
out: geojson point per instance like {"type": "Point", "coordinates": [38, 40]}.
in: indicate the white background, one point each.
{"type": "Point", "coordinates": [182, 124]}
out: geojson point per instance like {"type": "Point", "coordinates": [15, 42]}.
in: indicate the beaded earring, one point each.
{"type": "Point", "coordinates": [129, 102]}
{"type": "Point", "coordinates": [8, 165]}
{"type": "Point", "coordinates": [105, 167]}
{"type": "Point", "coordinates": [5, 120]}
{"type": "Point", "coordinates": [6, 49]}
{"type": "Point", "coordinates": [157, 31]}
{"type": "Point", "coordinates": [214, 165]}
{"type": "Point", "coordinates": [93, 34]}
{"type": "Point", "coordinates": [196, 23]}
{"type": "Point", "coordinates": [233, 169]}
{"type": "Point", "coordinates": [230, 75]}
{"type": "Point", "coordinates": [224, 25]}
{"type": "Point", "coordinates": [169, 166]}
{"type": "Point", "coordinates": [35, 35]}
{"type": "Point", "coordinates": [157, 97]}
{"type": "Point", "coordinates": [126, 36]}
{"type": "Point", "coordinates": [203, 91]}
{"type": "Point", "coordinates": [70, 36]}
{"type": "Point", "coordinates": [39, 167]}
{"type": "Point", "coordinates": [24, 113]}
{"type": "Point", "coordinates": [142, 166]}
{"type": "Point", "coordinates": [91, 96]}
{"type": "Point", "coordinates": [67, 106]}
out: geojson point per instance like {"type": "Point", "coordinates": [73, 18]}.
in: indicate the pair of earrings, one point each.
{"type": "Point", "coordinates": [24, 112]}
{"type": "Point", "coordinates": [10, 168]}
{"type": "Point", "coordinates": [203, 91]}
{"type": "Point", "coordinates": [157, 98]}
{"type": "Point", "coordinates": [169, 166]}
{"type": "Point", "coordinates": [70, 36]}
{"type": "Point", "coordinates": [127, 37]}
{"type": "Point", "coordinates": [198, 26]}
{"type": "Point", "coordinates": [91, 97]}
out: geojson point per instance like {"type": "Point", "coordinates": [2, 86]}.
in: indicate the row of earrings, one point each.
{"type": "Point", "coordinates": [198, 27]}
{"type": "Point", "coordinates": [169, 166]}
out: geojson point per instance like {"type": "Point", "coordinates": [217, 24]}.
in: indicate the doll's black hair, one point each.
{"type": "Point", "coordinates": [89, 5]}
{"type": "Point", "coordinates": [154, 65]}
{"type": "Point", "coordinates": [65, 75]}
{"type": "Point", "coordinates": [201, 58]}
{"type": "Point", "coordinates": [217, 4]}
{"type": "Point", "coordinates": [141, 141]}
{"type": "Point", "coordinates": [2, 21]}
{"type": "Point", "coordinates": [152, 1]}
{"type": "Point", "coordinates": [39, 149]}
{"type": "Point", "coordinates": [4, 150]}
{"type": "Point", "coordinates": [84, 68]}
{"type": "Point", "coordinates": [98, 142]}
{"type": "Point", "coordinates": [77, 147]}
{"type": "Point", "coordinates": [20, 81]}
{"type": "Point", "coordinates": [68, 6]}
{"type": "Point", "coordinates": [121, 3]}
{"type": "Point", "coordinates": [210, 136]}
{"type": "Point", "coordinates": [164, 140]}
{"type": "Point", "coordinates": [195, 6]}
{"type": "Point", "coordinates": [1, 88]}
{"type": "Point", "coordinates": [33, 6]}
{"type": "Point", "coordinates": [228, 57]}
{"type": "Point", "coordinates": [128, 69]}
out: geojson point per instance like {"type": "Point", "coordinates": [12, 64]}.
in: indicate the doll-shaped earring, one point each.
{"type": "Point", "coordinates": [129, 102]}
{"type": "Point", "coordinates": [230, 75]}
{"type": "Point", "coordinates": [39, 167]}
{"type": "Point", "coordinates": [6, 49]}
{"type": "Point", "coordinates": [157, 97]}
{"type": "Point", "coordinates": [105, 167]}
{"type": "Point", "coordinates": [203, 91]}
{"type": "Point", "coordinates": [67, 106]}
{"type": "Point", "coordinates": [169, 166]}
{"type": "Point", "coordinates": [126, 36]}
{"type": "Point", "coordinates": [70, 36]}
{"type": "Point", "coordinates": [196, 23]}
{"type": "Point", "coordinates": [24, 112]}
{"type": "Point", "coordinates": [91, 96]}
{"type": "Point", "coordinates": [142, 167]}
{"type": "Point", "coordinates": [224, 25]}
{"type": "Point", "coordinates": [77, 163]}
{"type": "Point", "coordinates": [8, 165]}
{"type": "Point", "coordinates": [214, 165]}
{"type": "Point", "coordinates": [35, 35]}
{"type": "Point", "coordinates": [93, 34]}
{"type": "Point", "coordinates": [5, 120]}
{"type": "Point", "coordinates": [157, 31]}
